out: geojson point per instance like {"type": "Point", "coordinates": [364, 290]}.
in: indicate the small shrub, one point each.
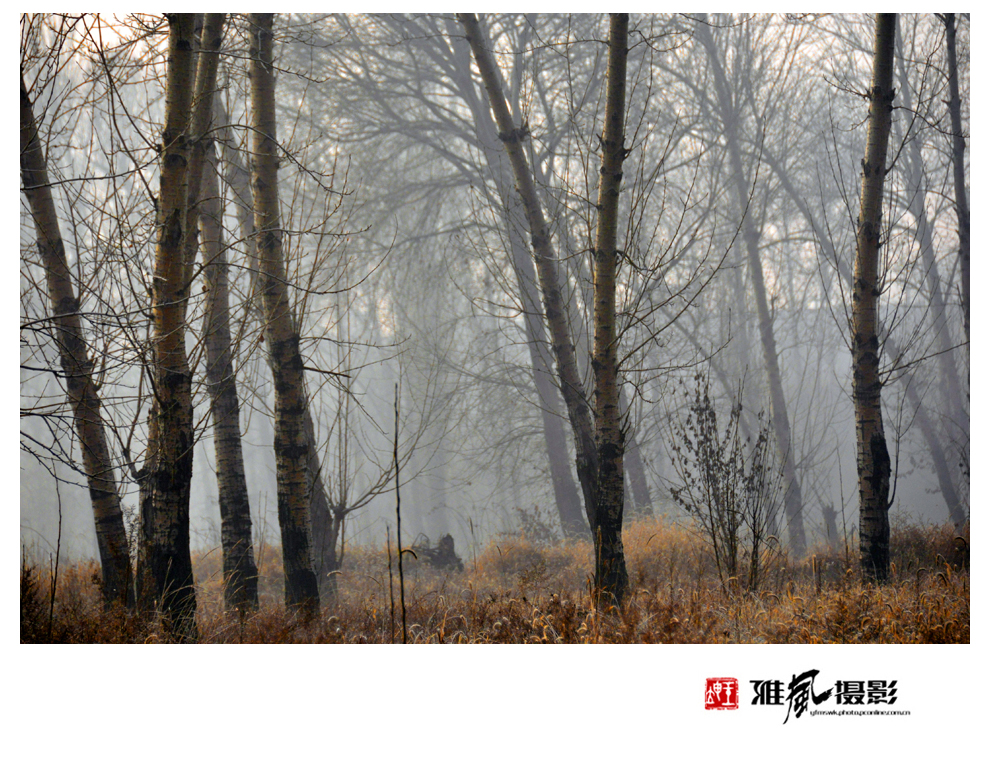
{"type": "Point", "coordinates": [730, 486]}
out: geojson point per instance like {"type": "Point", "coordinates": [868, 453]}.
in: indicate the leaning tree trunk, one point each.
{"type": "Point", "coordinates": [872, 457]}
{"type": "Point", "coordinates": [554, 305]}
{"type": "Point", "coordinates": [292, 447]}
{"type": "Point", "coordinates": [958, 163]}
{"type": "Point", "coordinates": [566, 495]}
{"type": "Point", "coordinates": [793, 502]}
{"type": "Point", "coordinates": [167, 473]}
{"type": "Point", "coordinates": [611, 578]}
{"type": "Point", "coordinates": [240, 583]}
{"type": "Point", "coordinates": [76, 365]}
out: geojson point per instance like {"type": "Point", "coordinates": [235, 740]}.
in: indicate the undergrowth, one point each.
{"type": "Point", "coordinates": [518, 591]}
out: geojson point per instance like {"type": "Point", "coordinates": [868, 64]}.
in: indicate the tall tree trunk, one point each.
{"type": "Point", "coordinates": [565, 492]}
{"type": "Point", "coordinates": [943, 471]}
{"type": "Point", "coordinates": [793, 502]}
{"type": "Point", "coordinates": [958, 163]}
{"type": "Point", "coordinates": [169, 460]}
{"type": "Point", "coordinates": [555, 307]}
{"type": "Point", "coordinates": [292, 447]}
{"type": "Point", "coordinates": [210, 31]}
{"type": "Point", "coordinates": [323, 519]}
{"type": "Point", "coordinates": [872, 457]}
{"type": "Point", "coordinates": [77, 366]}
{"type": "Point", "coordinates": [611, 578]}
{"type": "Point", "coordinates": [240, 574]}
{"type": "Point", "coordinates": [566, 495]}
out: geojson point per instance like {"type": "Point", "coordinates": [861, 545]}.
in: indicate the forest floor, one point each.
{"type": "Point", "coordinates": [517, 591]}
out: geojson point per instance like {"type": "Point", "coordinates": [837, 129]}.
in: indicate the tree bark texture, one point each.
{"type": "Point", "coordinates": [240, 574]}
{"type": "Point", "coordinates": [958, 163]}
{"type": "Point", "coordinates": [611, 577]}
{"type": "Point", "coordinates": [167, 473]}
{"type": "Point", "coordinates": [77, 367]}
{"type": "Point", "coordinates": [292, 447]}
{"type": "Point", "coordinates": [208, 55]}
{"type": "Point", "coordinates": [872, 457]}
{"type": "Point", "coordinates": [555, 307]}
{"type": "Point", "coordinates": [793, 501]}
{"type": "Point", "coordinates": [325, 526]}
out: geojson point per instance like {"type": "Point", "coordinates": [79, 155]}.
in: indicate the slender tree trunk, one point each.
{"type": "Point", "coordinates": [611, 578]}
{"type": "Point", "coordinates": [208, 55]}
{"type": "Point", "coordinates": [566, 495]}
{"type": "Point", "coordinates": [793, 502]}
{"type": "Point", "coordinates": [926, 425]}
{"type": "Point", "coordinates": [873, 459]}
{"type": "Point", "coordinates": [77, 366]}
{"type": "Point", "coordinates": [292, 447]}
{"type": "Point", "coordinates": [958, 163]}
{"type": "Point", "coordinates": [736, 328]}
{"type": "Point", "coordinates": [169, 460]}
{"type": "Point", "coordinates": [240, 574]}
{"type": "Point", "coordinates": [239, 570]}
{"type": "Point", "coordinates": [325, 525]}
{"type": "Point", "coordinates": [555, 307]}
{"type": "Point", "coordinates": [940, 462]}
{"type": "Point", "coordinates": [238, 180]}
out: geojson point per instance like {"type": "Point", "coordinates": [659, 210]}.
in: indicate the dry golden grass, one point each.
{"type": "Point", "coordinates": [517, 592]}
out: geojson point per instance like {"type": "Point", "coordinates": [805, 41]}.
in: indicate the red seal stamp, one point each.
{"type": "Point", "coordinates": [721, 693]}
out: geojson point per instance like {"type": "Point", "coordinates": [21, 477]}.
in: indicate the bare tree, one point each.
{"type": "Point", "coordinates": [77, 366]}
{"type": "Point", "coordinates": [240, 574]}
{"type": "Point", "coordinates": [751, 239]}
{"type": "Point", "coordinates": [566, 496]}
{"type": "Point", "coordinates": [322, 512]}
{"type": "Point", "coordinates": [872, 457]}
{"type": "Point", "coordinates": [165, 575]}
{"type": "Point", "coordinates": [292, 446]}
{"type": "Point", "coordinates": [554, 304]}
{"type": "Point", "coordinates": [611, 577]}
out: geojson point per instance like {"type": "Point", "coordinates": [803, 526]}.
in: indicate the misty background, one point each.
{"type": "Point", "coordinates": [397, 240]}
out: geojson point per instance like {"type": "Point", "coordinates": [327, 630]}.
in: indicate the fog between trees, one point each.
{"type": "Point", "coordinates": [411, 261]}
